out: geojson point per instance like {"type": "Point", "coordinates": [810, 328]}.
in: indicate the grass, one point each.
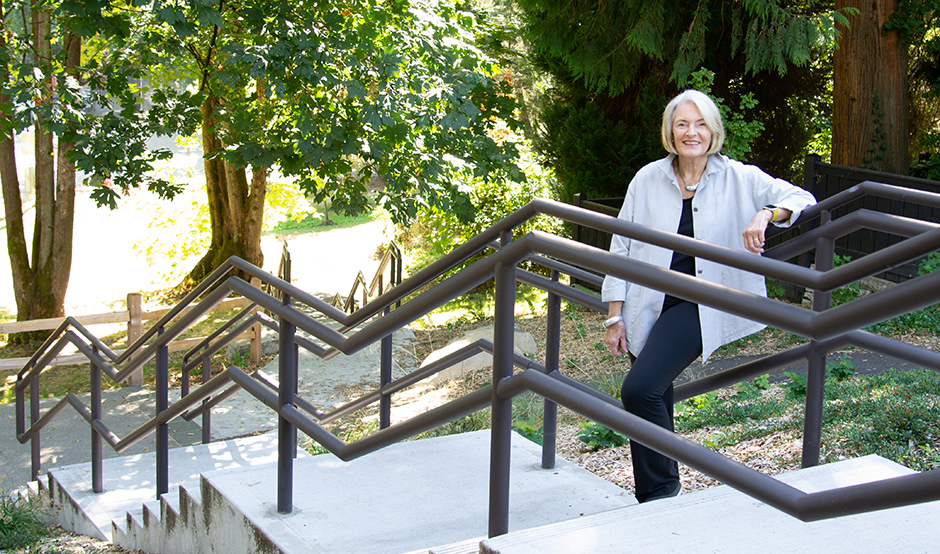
{"type": "Point", "coordinates": [895, 415]}
{"type": "Point", "coordinates": [315, 223]}
{"type": "Point", "coordinates": [22, 523]}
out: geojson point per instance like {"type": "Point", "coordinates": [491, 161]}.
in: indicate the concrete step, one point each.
{"type": "Point", "coordinates": [406, 498]}
{"type": "Point", "coordinates": [724, 520]}
{"type": "Point", "coordinates": [130, 482]}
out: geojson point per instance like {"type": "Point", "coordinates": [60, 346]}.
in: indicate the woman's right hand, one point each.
{"type": "Point", "coordinates": [615, 337]}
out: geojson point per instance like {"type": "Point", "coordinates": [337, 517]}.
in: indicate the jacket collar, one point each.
{"type": "Point", "coordinates": [716, 163]}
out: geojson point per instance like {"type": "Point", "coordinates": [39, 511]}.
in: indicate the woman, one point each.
{"type": "Point", "coordinates": [700, 193]}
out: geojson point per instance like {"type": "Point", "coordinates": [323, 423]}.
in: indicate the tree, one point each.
{"type": "Point", "coordinates": [616, 64]}
{"type": "Point", "coordinates": [870, 91]}
{"type": "Point", "coordinates": [332, 94]}
{"type": "Point", "coordinates": [918, 23]}
{"type": "Point", "coordinates": [48, 84]}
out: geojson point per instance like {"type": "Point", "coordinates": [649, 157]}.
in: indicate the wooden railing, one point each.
{"type": "Point", "coordinates": [133, 317]}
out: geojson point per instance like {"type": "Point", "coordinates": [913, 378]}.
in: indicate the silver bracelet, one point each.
{"type": "Point", "coordinates": [613, 320]}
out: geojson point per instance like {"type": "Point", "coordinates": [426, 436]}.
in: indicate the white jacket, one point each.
{"type": "Point", "coordinates": [730, 193]}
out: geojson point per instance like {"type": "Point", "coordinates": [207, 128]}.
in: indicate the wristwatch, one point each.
{"type": "Point", "coordinates": [774, 211]}
{"type": "Point", "coordinates": [612, 321]}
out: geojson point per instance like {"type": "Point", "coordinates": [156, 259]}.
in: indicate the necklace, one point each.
{"type": "Point", "coordinates": [693, 187]}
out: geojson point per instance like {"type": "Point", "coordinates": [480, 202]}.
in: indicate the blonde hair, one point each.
{"type": "Point", "coordinates": [706, 106]}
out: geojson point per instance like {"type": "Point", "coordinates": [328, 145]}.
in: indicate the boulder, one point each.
{"type": "Point", "coordinates": [523, 343]}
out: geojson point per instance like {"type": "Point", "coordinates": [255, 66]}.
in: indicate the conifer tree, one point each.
{"type": "Point", "coordinates": [616, 63]}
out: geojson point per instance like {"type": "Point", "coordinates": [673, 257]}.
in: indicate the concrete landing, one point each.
{"type": "Point", "coordinates": [724, 520]}
{"type": "Point", "coordinates": [412, 496]}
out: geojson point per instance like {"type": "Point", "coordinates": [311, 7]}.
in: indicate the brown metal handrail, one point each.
{"type": "Point", "coordinates": [392, 256]}
{"type": "Point", "coordinates": [826, 327]}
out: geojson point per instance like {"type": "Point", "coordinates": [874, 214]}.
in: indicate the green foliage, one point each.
{"type": "Point", "coordinates": [930, 264]}
{"type": "Point", "coordinates": [711, 410]}
{"type": "Point", "coordinates": [849, 292]}
{"type": "Point", "coordinates": [739, 133]}
{"type": "Point", "coordinates": [924, 321]}
{"type": "Point", "coordinates": [795, 388]}
{"type": "Point", "coordinates": [839, 371]}
{"type": "Point", "coordinates": [330, 94]}
{"type": "Point", "coordinates": [188, 227]}
{"type": "Point", "coordinates": [592, 155]}
{"type": "Point", "coordinates": [398, 91]}
{"type": "Point", "coordinates": [528, 428]}
{"type": "Point", "coordinates": [609, 379]}
{"type": "Point", "coordinates": [928, 168]}
{"type": "Point", "coordinates": [895, 415]}
{"type": "Point", "coordinates": [436, 232]}
{"type": "Point", "coordinates": [753, 389]}
{"type": "Point", "coordinates": [913, 19]}
{"type": "Point", "coordinates": [315, 222]}
{"type": "Point", "coordinates": [775, 289]}
{"type": "Point", "coordinates": [21, 522]}
{"type": "Point", "coordinates": [879, 140]}
{"type": "Point", "coordinates": [107, 145]}
{"type": "Point", "coordinates": [608, 46]}
{"type": "Point", "coordinates": [598, 437]}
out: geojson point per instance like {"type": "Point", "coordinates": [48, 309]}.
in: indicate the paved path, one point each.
{"type": "Point", "coordinates": [67, 440]}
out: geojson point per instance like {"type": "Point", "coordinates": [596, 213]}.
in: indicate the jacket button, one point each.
{"type": "Point", "coordinates": [694, 209]}
{"type": "Point", "coordinates": [700, 272]}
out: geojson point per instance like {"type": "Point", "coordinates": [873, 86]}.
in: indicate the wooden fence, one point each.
{"type": "Point", "coordinates": [133, 317]}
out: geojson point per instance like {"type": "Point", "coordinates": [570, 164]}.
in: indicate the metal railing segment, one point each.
{"type": "Point", "coordinates": [827, 328]}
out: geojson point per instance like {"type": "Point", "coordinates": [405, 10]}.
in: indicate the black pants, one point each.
{"type": "Point", "coordinates": [674, 343]}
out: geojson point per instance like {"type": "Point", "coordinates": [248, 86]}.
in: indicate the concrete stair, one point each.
{"type": "Point", "coordinates": [724, 520]}
{"type": "Point", "coordinates": [431, 496]}
{"type": "Point", "coordinates": [406, 498]}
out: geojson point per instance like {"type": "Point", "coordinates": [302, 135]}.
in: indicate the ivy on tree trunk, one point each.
{"type": "Point", "coordinates": [870, 91]}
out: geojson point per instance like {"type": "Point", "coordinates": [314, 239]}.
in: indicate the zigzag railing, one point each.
{"type": "Point", "coordinates": [827, 328]}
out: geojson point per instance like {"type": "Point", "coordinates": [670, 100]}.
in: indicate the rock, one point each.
{"type": "Point", "coordinates": [523, 343]}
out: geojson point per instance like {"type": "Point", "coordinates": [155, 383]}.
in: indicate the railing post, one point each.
{"type": "Point", "coordinates": [135, 328]}
{"type": "Point", "coordinates": [501, 433]}
{"type": "Point", "coordinates": [162, 363]}
{"type": "Point", "coordinates": [385, 378]}
{"type": "Point", "coordinates": [286, 432]}
{"type": "Point", "coordinates": [816, 361]}
{"type": "Point", "coordinates": [552, 344]}
{"type": "Point", "coordinates": [254, 344]}
{"type": "Point", "coordinates": [206, 414]}
{"type": "Point", "coordinates": [36, 451]}
{"type": "Point", "coordinates": [96, 456]}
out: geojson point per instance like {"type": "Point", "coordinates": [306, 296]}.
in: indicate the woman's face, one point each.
{"type": "Point", "coordinates": [690, 135]}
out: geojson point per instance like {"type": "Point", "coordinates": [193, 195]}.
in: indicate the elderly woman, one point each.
{"type": "Point", "coordinates": [700, 193]}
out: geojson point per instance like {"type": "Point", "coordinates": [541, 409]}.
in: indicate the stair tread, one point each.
{"type": "Point", "coordinates": [723, 519]}
{"type": "Point", "coordinates": [129, 482]}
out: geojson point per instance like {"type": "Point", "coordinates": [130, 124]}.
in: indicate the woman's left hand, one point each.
{"type": "Point", "coordinates": [754, 232]}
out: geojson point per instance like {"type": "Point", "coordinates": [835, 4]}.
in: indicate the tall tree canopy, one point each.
{"type": "Point", "coordinates": [616, 64]}
{"type": "Point", "coordinates": [332, 94]}
{"type": "Point", "coordinates": [336, 94]}
{"type": "Point", "coordinates": [67, 72]}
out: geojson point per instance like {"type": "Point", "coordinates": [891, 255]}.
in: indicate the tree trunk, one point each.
{"type": "Point", "coordinates": [236, 210]}
{"type": "Point", "coordinates": [40, 280]}
{"type": "Point", "coordinates": [870, 94]}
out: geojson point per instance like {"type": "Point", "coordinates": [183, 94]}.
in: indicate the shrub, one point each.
{"type": "Point", "coordinates": [598, 437]}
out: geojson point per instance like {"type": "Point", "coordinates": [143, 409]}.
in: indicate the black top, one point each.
{"type": "Point", "coordinates": [682, 262]}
